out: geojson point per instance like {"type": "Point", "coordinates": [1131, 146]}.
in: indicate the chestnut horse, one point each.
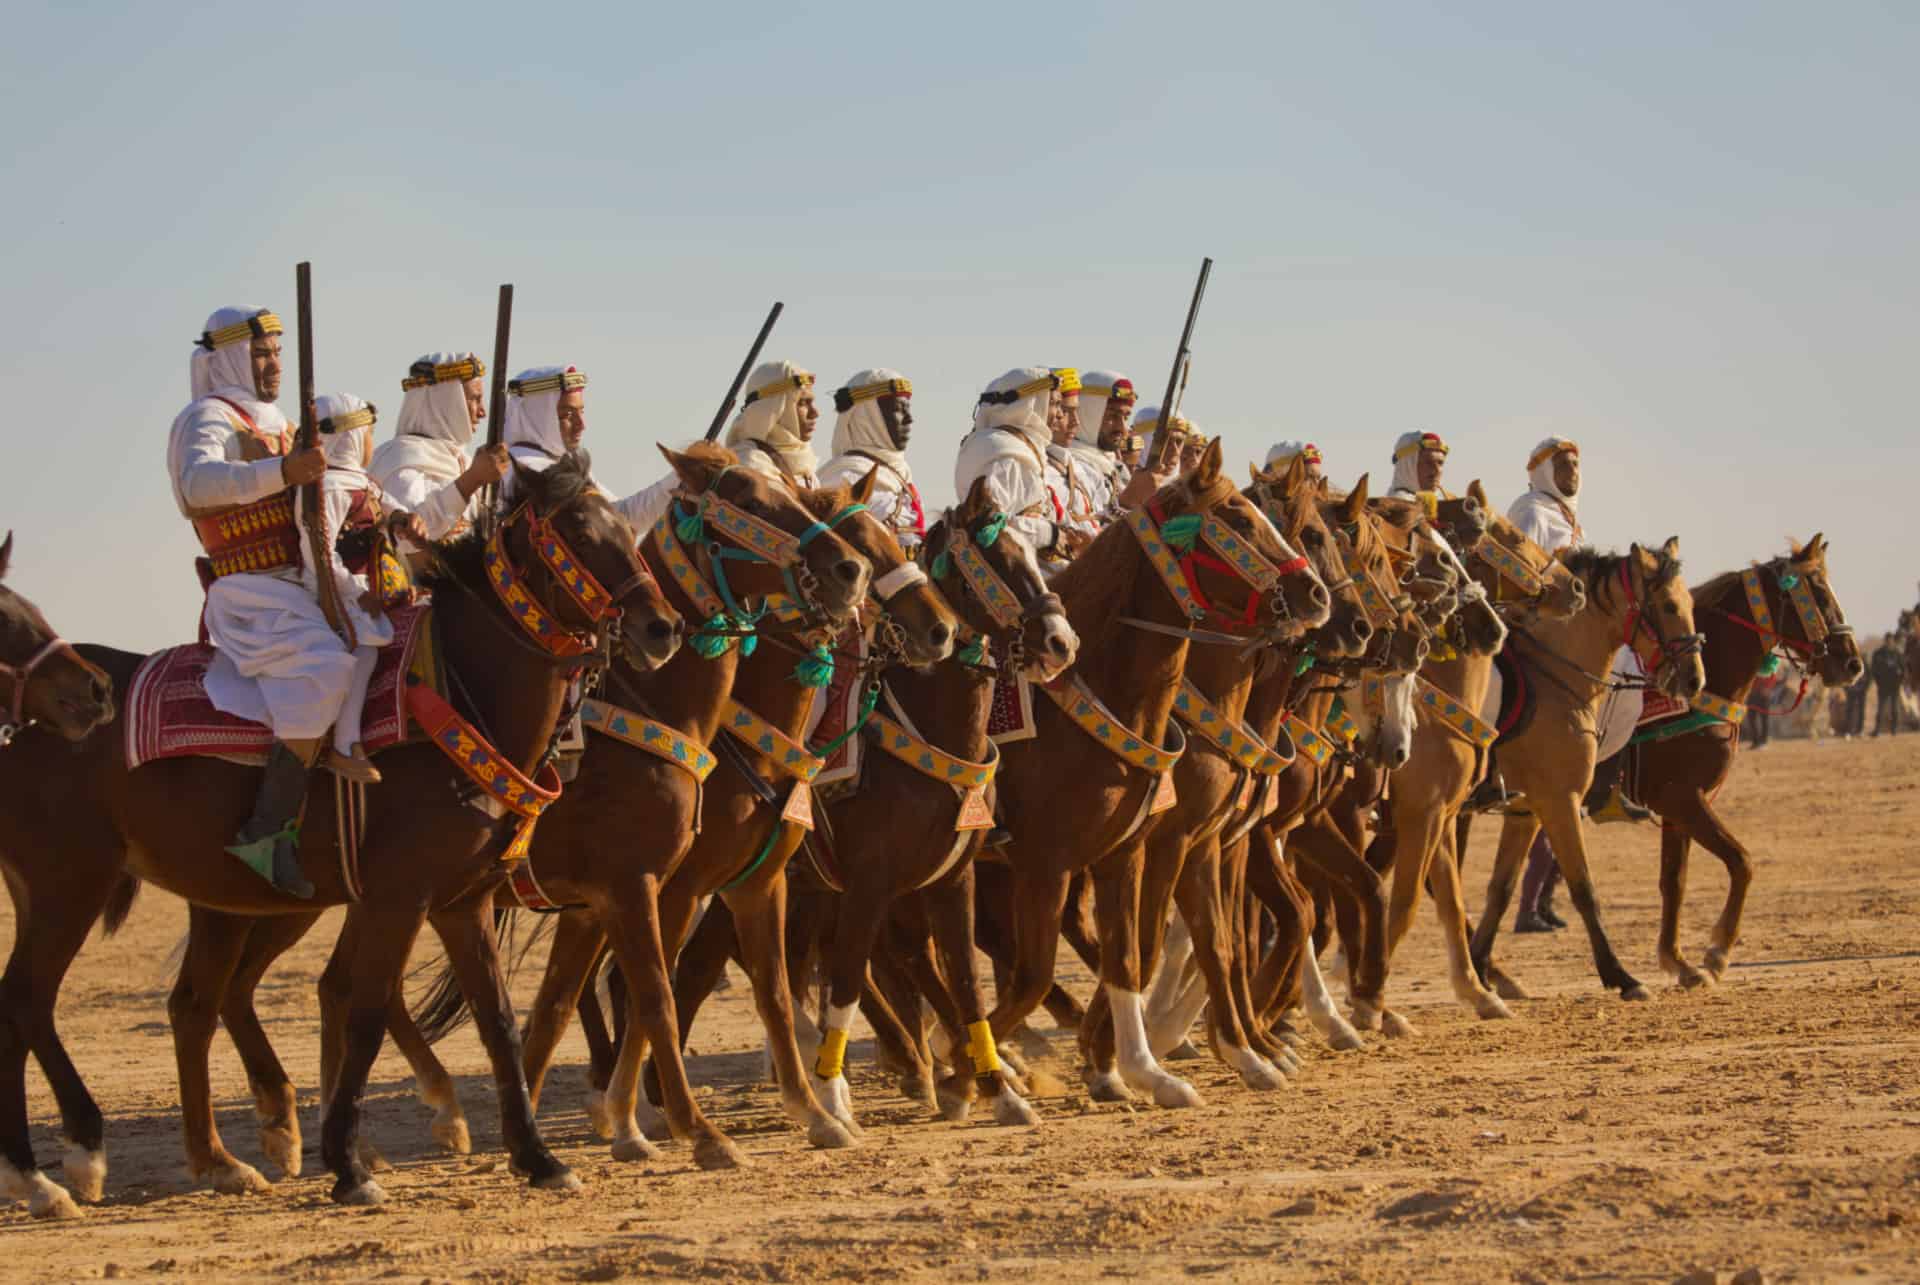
{"type": "Point", "coordinates": [1637, 601]}
{"type": "Point", "coordinates": [649, 788]}
{"type": "Point", "coordinates": [75, 825]}
{"type": "Point", "coordinates": [48, 693]}
{"type": "Point", "coordinates": [1785, 605]}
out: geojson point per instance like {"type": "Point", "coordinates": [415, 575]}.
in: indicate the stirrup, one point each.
{"type": "Point", "coordinates": [1618, 807]}
{"type": "Point", "coordinates": [355, 767]}
{"type": "Point", "coordinates": [279, 865]}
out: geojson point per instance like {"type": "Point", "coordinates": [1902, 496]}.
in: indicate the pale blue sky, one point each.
{"type": "Point", "coordinates": [1683, 235]}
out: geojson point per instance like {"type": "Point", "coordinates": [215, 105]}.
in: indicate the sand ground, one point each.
{"type": "Point", "coordinates": [1772, 1123]}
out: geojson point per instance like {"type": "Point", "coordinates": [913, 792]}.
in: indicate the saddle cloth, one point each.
{"type": "Point", "coordinates": [169, 715]}
{"type": "Point", "coordinates": [1012, 716]}
{"type": "Point", "coordinates": [836, 707]}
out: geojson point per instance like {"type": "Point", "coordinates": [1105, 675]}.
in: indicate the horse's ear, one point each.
{"type": "Point", "coordinates": [1212, 460]}
{"type": "Point", "coordinates": [1814, 550]}
{"type": "Point", "coordinates": [1356, 501]}
{"type": "Point", "coordinates": [977, 502]}
{"type": "Point", "coordinates": [1479, 494]}
{"type": "Point", "coordinates": [863, 489]}
{"type": "Point", "coordinates": [6, 554]}
{"type": "Point", "coordinates": [696, 475]}
{"type": "Point", "coordinates": [1296, 475]}
{"type": "Point", "coordinates": [1671, 549]}
{"type": "Point", "coordinates": [1253, 473]}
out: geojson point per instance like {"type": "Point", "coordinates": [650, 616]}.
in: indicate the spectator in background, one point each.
{"type": "Point", "coordinates": [1853, 721]}
{"type": "Point", "coordinates": [1888, 669]}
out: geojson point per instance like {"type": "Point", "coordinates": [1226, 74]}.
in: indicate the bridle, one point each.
{"type": "Point", "coordinates": [1665, 652]}
{"type": "Point", "coordinates": [20, 675]}
{"type": "Point", "coordinates": [1818, 635]}
{"type": "Point", "coordinates": [1510, 566]}
{"type": "Point", "coordinates": [550, 635]}
{"type": "Point", "coordinates": [962, 551]}
{"type": "Point", "coordinates": [1173, 548]}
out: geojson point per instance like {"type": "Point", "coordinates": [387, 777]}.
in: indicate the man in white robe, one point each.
{"type": "Point", "coordinates": [874, 421]}
{"type": "Point", "coordinates": [1065, 477]}
{"type": "Point", "coordinates": [547, 421]}
{"type": "Point", "coordinates": [232, 462]}
{"type": "Point", "coordinates": [1418, 461]}
{"type": "Point", "coordinates": [1106, 400]}
{"type": "Point", "coordinates": [1008, 447]}
{"type": "Point", "coordinates": [773, 433]}
{"type": "Point", "coordinates": [1284, 453]}
{"type": "Point", "coordinates": [428, 468]}
{"type": "Point", "coordinates": [1548, 514]}
{"type": "Point", "coordinates": [1145, 481]}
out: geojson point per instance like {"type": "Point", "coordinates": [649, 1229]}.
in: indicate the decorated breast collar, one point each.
{"type": "Point", "coordinates": [1452, 715]}
{"type": "Point", "coordinates": [1236, 740]}
{"type": "Point", "coordinates": [647, 734]}
{"type": "Point", "coordinates": [1077, 701]}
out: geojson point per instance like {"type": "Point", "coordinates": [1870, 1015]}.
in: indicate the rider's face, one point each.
{"type": "Point", "coordinates": [1566, 474]}
{"type": "Point", "coordinates": [265, 358]}
{"type": "Point", "coordinates": [897, 414]}
{"type": "Point", "coordinates": [573, 417]}
{"type": "Point", "coordinates": [476, 403]}
{"type": "Point", "coordinates": [1427, 471]}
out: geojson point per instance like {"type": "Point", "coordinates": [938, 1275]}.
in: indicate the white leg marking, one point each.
{"type": "Point", "coordinates": [1322, 1011]}
{"type": "Point", "coordinates": [45, 1198]}
{"type": "Point", "coordinates": [86, 1172]}
{"type": "Point", "coordinates": [1137, 1065]}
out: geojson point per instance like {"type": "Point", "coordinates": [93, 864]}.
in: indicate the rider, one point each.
{"type": "Point", "coordinates": [427, 468]}
{"type": "Point", "coordinates": [547, 420]}
{"type": "Point", "coordinates": [1008, 447]}
{"type": "Point", "coordinates": [233, 464]}
{"type": "Point", "coordinates": [1106, 399]}
{"type": "Point", "coordinates": [875, 418]}
{"type": "Point", "coordinates": [773, 432]}
{"type": "Point", "coordinates": [1145, 481]}
{"type": "Point", "coordinates": [1283, 454]}
{"type": "Point", "coordinates": [1065, 476]}
{"type": "Point", "coordinates": [1418, 460]}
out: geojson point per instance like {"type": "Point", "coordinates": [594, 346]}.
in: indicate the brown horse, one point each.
{"type": "Point", "coordinates": [1637, 601]}
{"type": "Point", "coordinates": [48, 693]}
{"type": "Point", "coordinates": [1080, 795]}
{"type": "Point", "coordinates": [76, 825]}
{"type": "Point", "coordinates": [623, 788]}
{"type": "Point", "coordinates": [1785, 605]}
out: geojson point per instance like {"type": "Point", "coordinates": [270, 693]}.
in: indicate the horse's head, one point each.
{"type": "Point", "coordinates": [991, 574]}
{"type": "Point", "coordinates": [1241, 572]}
{"type": "Point", "coordinates": [1659, 619]}
{"type": "Point", "coordinates": [1369, 547]}
{"type": "Point", "coordinates": [1518, 573]}
{"type": "Point", "coordinates": [582, 561]}
{"type": "Point", "coordinates": [42, 679]}
{"type": "Point", "coordinates": [1290, 497]}
{"type": "Point", "coordinates": [762, 539]}
{"type": "Point", "coordinates": [1816, 616]}
{"type": "Point", "coordinates": [915, 622]}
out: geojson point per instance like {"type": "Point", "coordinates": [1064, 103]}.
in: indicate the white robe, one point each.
{"type": "Point", "coordinates": [419, 476]}
{"type": "Point", "coordinates": [1542, 520]}
{"type": "Point", "coordinates": [889, 502]}
{"type": "Point", "coordinates": [1009, 461]}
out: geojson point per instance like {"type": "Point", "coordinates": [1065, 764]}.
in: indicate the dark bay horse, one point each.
{"type": "Point", "coordinates": [1784, 605]}
{"type": "Point", "coordinates": [77, 825]}
{"type": "Point", "coordinates": [48, 694]}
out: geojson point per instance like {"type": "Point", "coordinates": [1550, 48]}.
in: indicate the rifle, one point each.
{"type": "Point", "coordinates": [497, 396]}
{"type": "Point", "coordinates": [313, 512]}
{"type": "Point", "coordinates": [746, 368]}
{"type": "Point", "coordinates": [1163, 439]}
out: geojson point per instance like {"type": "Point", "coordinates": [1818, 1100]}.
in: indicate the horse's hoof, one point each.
{"type": "Point", "coordinates": [86, 1172]}
{"type": "Point", "coordinates": [365, 1193]}
{"type": "Point", "coordinates": [1490, 1008]}
{"type": "Point", "coordinates": [237, 1178]}
{"type": "Point", "coordinates": [828, 1134]}
{"type": "Point", "coordinates": [1183, 1052]}
{"type": "Point", "coordinates": [599, 1116]}
{"type": "Point", "coordinates": [837, 1098]}
{"type": "Point", "coordinates": [1106, 1086]}
{"type": "Point", "coordinates": [1504, 986]}
{"type": "Point", "coordinates": [449, 1129]}
{"type": "Point", "coordinates": [918, 1088]}
{"type": "Point", "coordinates": [1343, 1038]}
{"type": "Point", "coordinates": [1172, 1092]}
{"type": "Point", "coordinates": [1262, 1076]}
{"type": "Point", "coordinates": [1366, 1017]}
{"type": "Point", "coordinates": [561, 1179]}
{"type": "Point", "coordinates": [1691, 978]}
{"type": "Point", "coordinates": [653, 1122]}
{"type": "Point", "coordinates": [1011, 1109]}
{"type": "Point", "coordinates": [635, 1149]}
{"type": "Point", "coordinates": [1394, 1026]}
{"type": "Point", "coordinates": [1031, 1043]}
{"type": "Point", "coordinates": [955, 1106]}
{"type": "Point", "coordinates": [1289, 1062]}
{"type": "Point", "coordinates": [1037, 1083]}
{"type": "Point", "coordinates": [1634, 993]}
{"type": "Point", "coordinates": [45, 1198]}
{"type": "Point", "coordinates": [1716, 962]}
{"type": "Point", "coordinates": [281, 1143]}
{"type": "Point", "coordinates": [715, 1152]}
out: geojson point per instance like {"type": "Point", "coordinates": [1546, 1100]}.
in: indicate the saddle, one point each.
{"type": "Point", "coordinates": [169, 716]}
{"type": "Point", "coordinates": [1509, 706]}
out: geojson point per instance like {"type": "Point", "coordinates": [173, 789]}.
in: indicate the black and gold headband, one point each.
{"type": "Point", "coordinates": [845, 399]}
{"type": "Point", "coordinates": [798, 379]}
{"type": "Point", "coordinates": [1045, 383]}
{"type": "Point", "coordinates": [362, 418]}
{"type": "Point", "coordinates": [258, 326]}
{"type": "Point", "coordinates": [564, 381]}
{"type": "Point", "coordinates": [424, 374]}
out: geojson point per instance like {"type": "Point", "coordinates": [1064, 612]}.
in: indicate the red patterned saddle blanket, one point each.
{"type": "Point", "coordinates": [1012, 716]}
{"type": "Point", "coordinates": [1658, 707]}
{"type": "Point", "coordinates": [168, 714]}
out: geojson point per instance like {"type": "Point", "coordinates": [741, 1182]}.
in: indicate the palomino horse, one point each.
{"type": "Point", "coordinates": [1636, 601]}
{"type": "Point", "coordinates": [75, 824]}
{"type": "Point", "coordinates": [1785, 605]}
{"type": "Point", "coordinates": [1080, 794]}
{"type": "Point", "coordinates": [47, 691]}
{"type": "Point", "coordinates": [643, 779]}
{"type": "Point", "coordinates": [897, 849]}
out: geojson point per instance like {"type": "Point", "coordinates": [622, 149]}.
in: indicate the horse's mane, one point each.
{"type": "Point", "coordinates": [1597, 569]}
{"type": "Point", "coordinates": [825, 501]}
{"type": "Point", "coordinates": [462, 560]}
{"type": "Point", "coordinates": [1097, 585]}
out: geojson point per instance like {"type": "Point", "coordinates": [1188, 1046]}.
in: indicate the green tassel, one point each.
{"type": "Point", "coordinates": [1305, 663]}
{"type": "Point", "coordinates": [1771, 665]}
{"type": "Point", "coordinates": [815, 669]}
{"type": "Point", "coordinates": [974, 653]}
{"type": "Point", "coordinates": [690, 526]}
{"type": "Point", "coordinates": [710, 644]}
{"type": "Point", "coordinates": [941, 565]}
{"type": "Point", "coordinates": [1789, 581]}
{"type": "Point", "coordinates": [987, 534]}
{"type": "Point", "coordinates": [1181, 532]}
{"type": "Point", "coordinates": [749, 644]}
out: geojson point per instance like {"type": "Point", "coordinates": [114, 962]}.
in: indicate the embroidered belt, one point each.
{"type": "Point", "coordinates": [644, 733]}
{"type": "Point", "coordinates": [1451, 714]}
{"type": "Point", "coordinates": [787, 755]}
{"type": "Point", "coordinates": [506, 785]}
{"type": "Point", "coordinates": [1079, 704]}
{"type": "Point", "coordinates": [969, 780]}
{"type": "Point", "coordinates": [1309, 740]}
{"type": "Point", "coordinates": [251, 538]}
{"type": "Point", "coordinates": [1238, 743]}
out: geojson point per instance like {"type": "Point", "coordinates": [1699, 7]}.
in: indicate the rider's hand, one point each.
{"type": "Point", "coordinates": [1141, 486]}
{"type": "Point", "coordinates": [407, 526]}
{"type": "Point", "coordinates": [300, 467]}
{"type": "Point", "coordinates": [489, 465]}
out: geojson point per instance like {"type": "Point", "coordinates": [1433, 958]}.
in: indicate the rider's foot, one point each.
{"type": "Point", "coordinates": [355, 767]}
{"type": "Point", "coordinates": [1529, 921]}
{"type": "Point", "coordinates": [1618, 807]}
{"type": "Point", "coordinates": [1546, 911]}
{"type": "Point", "coordinates": [269, 841]}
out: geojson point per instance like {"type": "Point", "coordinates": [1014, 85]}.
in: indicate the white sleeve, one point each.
{"type": "Point", "coordinates": [1532, 520]}
{"type": "Point", "coordinates": [845, 470]}
{"type": "Point", "coordinates": [644, 507]}
{"type": "Point", "coordinates": [206, 478]}
{"type": "Point", "coordinates": [1011, 484]}
{"type": "Point", "coordinates": [441, 507]}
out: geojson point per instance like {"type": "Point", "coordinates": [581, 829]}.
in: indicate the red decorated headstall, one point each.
{"type": "Point", "coordinates": [509, 585]}
{"type": "Point", "coordinates": [21, 675]}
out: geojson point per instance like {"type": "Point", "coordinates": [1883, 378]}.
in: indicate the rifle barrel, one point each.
{"type": "Point", "coordinates": [1164, 438]}
{"type": "Point", "coordinates": [497, 395]}
{"type": "Point", "coordinates": [746, 368]}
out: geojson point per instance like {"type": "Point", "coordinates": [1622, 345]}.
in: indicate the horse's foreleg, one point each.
{"type": "Point", "coordinates": [214, 944]}
{"type": "Point", "coordinates": [760, 919]}
{"type": "Point", "coordinates": [1034, 905]}
{"type": "Point", "coordinates": [857, 916]}
{"type": "Point", "coordinates": [1360, 906]}
{"type": "Point", "coordinates": [360, 983]}
{"type": "Point", "coordinates": [577, 939]}
{"type": "Point", "coordinates": [1560, 814]}
{"type": "Point", "coordinates": [430, 1078]}
{"type": "Point", "coordinates": [1204, 907]}
{"type": "Point", "coordinates": [1116, 892]}
{"type": "Point", "coordinates": [1516, 836]}
{"type": "Point", "coordinates": [1704, 826]}
{"type": "Point", "coordinates": [274, 1104]}
{"type": "Point", "coordinates": [890, 1001]}
{"type": "Point", "coordinates": [949, 910]}
{"type": "Point", "coordinates": [1449, 906]}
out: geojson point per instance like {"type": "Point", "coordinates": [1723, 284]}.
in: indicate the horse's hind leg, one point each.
{"type": "Point", "coordinates": [466, 930]}
{"type": "Point", "coordinates": [1516, 836]}
{"type": "Point", "coordinates": [859, 915]}
{"type": "Point", "coordinates": [1705, 828]}
{"type": "Point", "coordinates": [356, 991]}
{"type": "Point", "coordinates": [1560, 814]}
{"type": "Point", "coordinates": [1203, 905]}
{"type": "Point", "coordinates": [577, 939]}
{"type": "Point", "coordinates": [430, 1078]}
{"type": "Point", "coordinates": [949, 907]}
{"type": "Point", "coordinates": [215, 942]}
{"type": "Point", "coordinates": [274, 1104]}
{"type": "Point", "coordinates": [1449, 906]}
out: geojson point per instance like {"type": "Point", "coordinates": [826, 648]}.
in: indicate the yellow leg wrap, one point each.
{"type": "Point", "coordinates": [833, 1054]}
{"type": "Point", "coordinates": [986, 1058]}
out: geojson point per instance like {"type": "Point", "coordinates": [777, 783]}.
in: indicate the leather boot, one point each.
{"type": "Point", "coordinates": [269, 842]}
{"type": "Point", "coordinates": [1606, 800]}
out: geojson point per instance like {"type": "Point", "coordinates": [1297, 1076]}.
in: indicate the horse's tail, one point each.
{"type": "Point", "coordinates": [442, 1009]}
{"type": "Point", "coordinates": [119, 905]}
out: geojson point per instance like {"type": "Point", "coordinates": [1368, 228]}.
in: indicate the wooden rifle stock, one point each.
{"type": "Point", "coordinates": [313, 515]}
{"type": "Point", "coordinates": [746, 368]}
{"type": "Point", "coordinates": [1163, 437]}
{"type": "Point", "coordinates": [497, 394]}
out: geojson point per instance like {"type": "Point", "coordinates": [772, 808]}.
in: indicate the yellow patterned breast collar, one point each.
{"type": "Point", "coordinates": [1452, 715]}
{"type": "Point", "coordinates": [928, 759]}
{"type": "Point", "coordinates": [680, 567]}
{"type": "Point", "coordinates": [787, 755]}
{"type": "Point", "coordinates": [1077, 701]}
{"type": "Point", "coordinates": [1232, 739]}
{"type": "Point", "coordinates": [647, 734]}
{"type": "Point", "coordinates": [1308, 739]}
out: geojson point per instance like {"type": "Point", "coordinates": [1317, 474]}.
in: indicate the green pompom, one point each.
{"type": "Point", "coordinates": [941, 565]}
{"type": "Point", "coordinates": [1789, 581]}
{"type": "Point", "coordinates": [815, 669]}
{"type": "Point", "coordinates": [749, 644]}
{"type": "Point", "coordinates": [1181, 532]}
{"type": "Point", "coordinates": [987, 534]}
{"type": "Point", "coordinates": [1305, 663]}
{"type": "Point", "coordinates": [1771, 665]}
{"type": "Point", "coordinates": [690, 526]}
{"type": "Point", "coordinates": [974, 653]}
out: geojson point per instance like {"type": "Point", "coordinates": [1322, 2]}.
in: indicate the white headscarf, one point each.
{"type": "Point", "coordinates": [226, 369]}
{"type": "Point", "coordinates": [533, 416]}
{"type": "Point", "coordinates": [1026, 415]}
{"type": "Point", "coordinates": [771, 416]}
{"type": "Point", "coordinates": [1148, 417]}
{"type": "Point", "coordinates": [862, 428]}
{"type": "Point", "coordinates": [1540, 469]}
{"type": "Point", "coordinates": [1283, 453]}
{"type": "Point", "coordinates": [1406, 459]}
{"type": "Point", "coordinates": [432, 431]}
{"type": "Point", "coordinates": [1097, 387]}
{"type": "Point", "coordinates": [352, 419]}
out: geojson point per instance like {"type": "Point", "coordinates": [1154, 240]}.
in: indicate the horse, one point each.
{"type": "Point", "coordinates": [646, 784]}
{"type": "Point", "coordinates": [80, 827]}
{"type": "Point", "coordinates": [1079, 795]}
{"type": "Point", "coordinates": [1783, 605]}
{"type": "Point", "coordinates": [1637, 600]}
